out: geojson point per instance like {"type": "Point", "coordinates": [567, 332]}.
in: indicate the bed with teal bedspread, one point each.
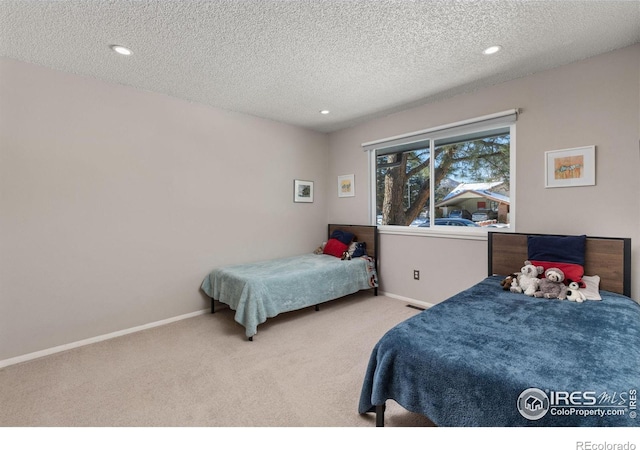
{"type": "Point", "coordinates": [490, 357]}
{"type": "Point", "coordinates": [261, 290]}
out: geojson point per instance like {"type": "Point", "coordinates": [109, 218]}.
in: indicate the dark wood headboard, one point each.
{"type": "Point", "coordinates": [363, 233]}
{"type": "Point", "coordinates": [609, 258]}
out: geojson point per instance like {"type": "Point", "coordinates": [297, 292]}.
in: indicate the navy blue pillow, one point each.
{"type": "Point", "coordinates": [361, 250]}
{"type": "Point", "coordinates": [566, 249]}
{"type": "Point", "coordinates": [343, 236]}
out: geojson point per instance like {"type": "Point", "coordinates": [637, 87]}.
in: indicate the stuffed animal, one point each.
{"type": "Point", "coordinates": [552, 285]}
{"type": "Point", "coordinates": [527, 280]}
{"type": "Point", "coordinates": [508, 281]}
{"type": "Point", "coordinates": [574, 294]}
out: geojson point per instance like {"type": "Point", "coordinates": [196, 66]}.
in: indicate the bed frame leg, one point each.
{"type": "Point", "coordinates": [250, 338]}
{"type": "Point", "coordinates": [380, 415]}
{"type": "Point", "coordinates": [213, 306]}
{"type": "Point", "coordinates": [317, 307]}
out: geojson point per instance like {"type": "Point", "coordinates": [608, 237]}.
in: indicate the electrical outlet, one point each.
{"type": "Point", "coordinates": [416, 274]}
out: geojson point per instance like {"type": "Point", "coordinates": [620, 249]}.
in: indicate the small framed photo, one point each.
{"type": "Point", "coordinates": [302, 191]}
{"type": "Point", "coordinates": [570, 167]}
{"type": "Point", "coordinates": [346, 186]}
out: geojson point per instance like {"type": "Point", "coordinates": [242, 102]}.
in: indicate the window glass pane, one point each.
{"type": "Point", "coordinates": [403, 187]}
{"type": "Point", "coordinates": [472, 180]}
{"type": "Point", "coordinates": [467, 163]}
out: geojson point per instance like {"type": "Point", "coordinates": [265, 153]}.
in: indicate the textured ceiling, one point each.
{"type": "Point", "coordinates": [286, 60]}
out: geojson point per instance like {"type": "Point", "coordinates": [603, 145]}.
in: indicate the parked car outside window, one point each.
{"type": "Point", "coordinates": [484, 214]}
{"type": "Point", "coordinates": [454, 222]}
{"type": "Point", "coordinates": [460, 214]}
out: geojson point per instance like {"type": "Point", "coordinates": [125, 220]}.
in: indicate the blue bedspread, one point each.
{"type": "Point", "coordinates": [467, 360]}
{"type": "Point", "coordinates": [257, 291]}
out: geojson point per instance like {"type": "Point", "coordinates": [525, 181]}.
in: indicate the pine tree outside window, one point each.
{"type": "Point", "coordinates": [458, 175]}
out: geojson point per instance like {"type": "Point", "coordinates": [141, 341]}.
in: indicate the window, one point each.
{"type": "Point", "coordinates": [460, 172]}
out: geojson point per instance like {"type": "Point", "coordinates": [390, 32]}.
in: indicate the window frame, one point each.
{"type": "Point", "coordinates": [505, 119]}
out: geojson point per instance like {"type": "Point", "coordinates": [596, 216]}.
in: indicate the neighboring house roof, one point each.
{"type": "Point", "coordinates": [474, 190]}
{"type": "Point", "coordinates": [476, 186]}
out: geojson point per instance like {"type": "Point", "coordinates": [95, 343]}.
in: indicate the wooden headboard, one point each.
{"type": "Point", "coordinates": [609, 258]}
{"type": "Point", "coordinates": [363, 233]}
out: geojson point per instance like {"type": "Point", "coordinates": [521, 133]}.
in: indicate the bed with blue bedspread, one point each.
{"type": "Point", "coordinates": [492, 357]}
{"type": "Point", "coordinates": [261, 290]}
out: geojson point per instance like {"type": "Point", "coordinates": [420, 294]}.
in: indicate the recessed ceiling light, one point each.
{"type": "Point", "coordinates": [324, 111]}
{"type": "Point", "coordinates": [491, 50]}
{"type": "Point", "coordinates": [121, 50]}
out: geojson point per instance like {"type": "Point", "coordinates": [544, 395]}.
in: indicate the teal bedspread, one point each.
{"type": "Point", "coordinates": [260, 290]}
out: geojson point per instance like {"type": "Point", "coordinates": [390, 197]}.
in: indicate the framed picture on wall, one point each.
{"type": "Point", "coordinates": [346, 186]}
{"type": "Point", "coordinates": [302, 191]}
{"type": "Point", "coordinates": [570, 167]}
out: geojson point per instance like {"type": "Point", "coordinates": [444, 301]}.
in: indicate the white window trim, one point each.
{"type": "Point", "coordinates": [440, 132]}
{"type": "Point", "coordinates": [440, 231]}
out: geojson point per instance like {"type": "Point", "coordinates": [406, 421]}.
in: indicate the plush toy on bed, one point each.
{"type": "Point", "coordinates": [552, 285]}
{"type": "Point", "coordinates": [574, 294]}
{"type": "Point", "coordinates": [508, 281]}
{"type": "Point", "coordinates": [527, 280]}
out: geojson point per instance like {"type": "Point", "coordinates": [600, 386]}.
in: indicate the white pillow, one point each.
{"type": "Point", "coordinates": [591, 290]}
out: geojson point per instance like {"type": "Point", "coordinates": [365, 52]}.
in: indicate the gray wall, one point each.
{"type": "Point", "coordinates": [592, 102]}
{"type": "Point", "coordinates": [115, 203]}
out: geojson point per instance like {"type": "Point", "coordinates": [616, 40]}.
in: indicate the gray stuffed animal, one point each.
{"type": "Point", "coordinates": [552, 285]}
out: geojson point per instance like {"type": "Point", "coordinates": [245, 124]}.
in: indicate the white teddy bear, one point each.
{"type": "Point", "coordinates": [574, 294]}
{"type": "Point", "coordinates": [527, 280]}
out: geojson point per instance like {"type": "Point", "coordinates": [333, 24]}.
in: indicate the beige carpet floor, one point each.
{"type": "Point", "coordinates": [303, 369]}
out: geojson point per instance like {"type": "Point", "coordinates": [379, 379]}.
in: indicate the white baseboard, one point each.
{"type": "Point", "coordinates": [104, 337]}
{"type": "Point", "coordinates": [411, 301]}
{"type": "Point", "coordinates": [93, 340]}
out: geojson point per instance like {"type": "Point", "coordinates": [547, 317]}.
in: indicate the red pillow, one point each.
{"type": "Point", "coordinates": [572, 272]}
{"type": "Point", "coordinates": [335, 248]}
